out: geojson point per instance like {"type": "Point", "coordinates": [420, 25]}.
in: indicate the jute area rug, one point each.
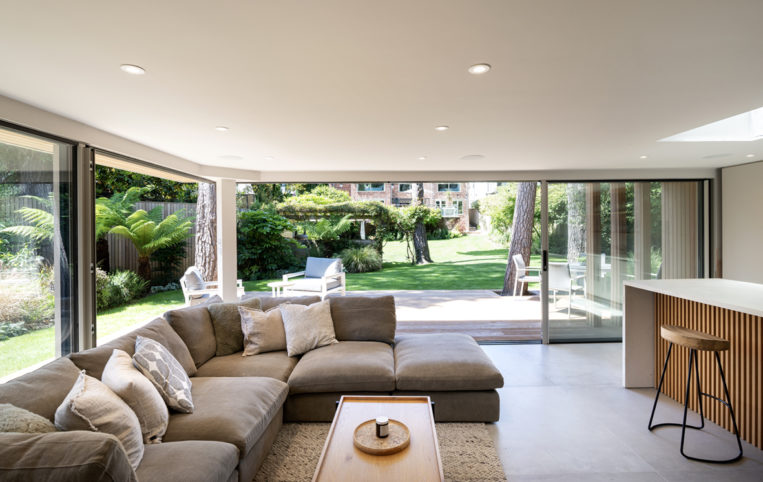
{"type": "Point", "coordinates": [466, 450]}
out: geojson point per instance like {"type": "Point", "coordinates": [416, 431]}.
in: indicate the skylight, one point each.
{"type": "Point", "coordinates": [739, 128]}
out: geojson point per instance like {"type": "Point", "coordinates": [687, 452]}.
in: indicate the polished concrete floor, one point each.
{"type": "Point", "coordinates": [565, 416]}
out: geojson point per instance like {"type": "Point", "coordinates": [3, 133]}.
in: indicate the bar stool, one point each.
{"type": "Point", "coordinates": [695, 340]}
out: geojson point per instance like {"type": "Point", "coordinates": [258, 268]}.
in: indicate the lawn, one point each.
{"type": "Point", "coordinates": [469, 262]}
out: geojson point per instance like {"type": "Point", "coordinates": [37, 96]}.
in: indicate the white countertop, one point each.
{"type": "Point", "coordinates": [724, 293]}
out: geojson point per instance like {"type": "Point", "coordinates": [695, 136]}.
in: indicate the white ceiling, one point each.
{"type": "Point", "coordinates": [360, 85]}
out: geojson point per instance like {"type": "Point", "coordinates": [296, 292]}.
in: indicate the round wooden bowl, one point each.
{"type": "Point", "coordinates": [365, 438]}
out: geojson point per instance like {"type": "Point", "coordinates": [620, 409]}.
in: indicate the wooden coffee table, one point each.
{"type": "Point", "coordinates": [342, 461]}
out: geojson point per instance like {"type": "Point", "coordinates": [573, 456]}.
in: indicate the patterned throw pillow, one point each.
{"type": "Point", "coordinates": [15, 419]}
{"type": "Point", "coordinates": [307, 327]}
{"type": "Point", "coordinates": [91, 405]}
{"type": "Point", "coordinates": [263, 330]}
{"type": "Point", "coordinates": [166, 373]}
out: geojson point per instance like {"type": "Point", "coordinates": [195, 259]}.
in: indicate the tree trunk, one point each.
{"type": "Point", "coordinates": [521, 233]}
{"type": "Point", "coordinates": [102, 254]}
{"type": "Point", "coordinates": [206, 231]}
{"type": "Point", "coordinates": [144, 268]}
{"type": "Point", "coordinates": [575, 222]}
{"type": "Point", "coordinates": [420, 243]}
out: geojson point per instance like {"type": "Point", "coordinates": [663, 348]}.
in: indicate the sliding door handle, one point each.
{"type": "Point", "coordinates": [544, 262]}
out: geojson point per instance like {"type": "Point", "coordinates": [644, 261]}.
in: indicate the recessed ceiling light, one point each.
{"type": "Point", "coordinates": [270, 158]}
{"type": "Point", "coordinates": [642, 157]}
{"type": "Point", "coordinates": [478, 69]}
{"type": "Point", "coordinates": [750, 155]}
{"type": "Point", "coordinates": [422, 158]}
{"type": "Point", "coordinates": [132, 69]}
{"type": "Point", "coordinates": [441, 128]}
{"type": "Point", "coordinates": [472, 157]}
{"type": "Point", "coordinates": [221, 128]}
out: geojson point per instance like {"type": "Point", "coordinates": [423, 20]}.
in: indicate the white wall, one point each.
{"type": "Point", "coordinates": [742, 222]}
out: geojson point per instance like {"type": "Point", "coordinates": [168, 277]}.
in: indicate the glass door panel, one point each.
{"type": "Point", "coordinates": [604, 233]}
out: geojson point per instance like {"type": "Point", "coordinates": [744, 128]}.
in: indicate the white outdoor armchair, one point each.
{"type": "Point", "coordinates": [560, 279]}
{"type": "Point", "coordinates": [195, 289]}
{"type": "Point", "coordinates": [321, 275]}
{"type": "Point", "coordinates": [521, 274]}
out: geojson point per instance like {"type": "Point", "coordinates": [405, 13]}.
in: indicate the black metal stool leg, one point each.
{"type": "Point", "coordinates": [692, 354]}
{"type": "Point", "coordinates": [659, 386]}
{"type": "Point", "coordinates": [731, 409]}
{"type": "Point", "coordinates": [699, 391]}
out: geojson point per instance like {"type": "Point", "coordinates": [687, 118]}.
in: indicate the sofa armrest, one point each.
{"type": "Point", "coordinates": [72, 456]}
{"type": "Point", "coordinates": [293, 275]}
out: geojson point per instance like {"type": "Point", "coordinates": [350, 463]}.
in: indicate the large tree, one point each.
{"type": "Point", "coordinates": [521, 232]}
{"type": "Point", "coordinates": [420, 243]}
{"type": "Point", "coordinates": [206, 231]}
{"type": "Point", "coordinates": [575, 221]}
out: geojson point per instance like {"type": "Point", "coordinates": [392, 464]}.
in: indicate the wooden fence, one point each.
{"type": "Point", "coordinates": [123, 255]}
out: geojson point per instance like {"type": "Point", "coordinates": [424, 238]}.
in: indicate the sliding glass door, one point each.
{"type": "Point", "coordinates": [601, 234]}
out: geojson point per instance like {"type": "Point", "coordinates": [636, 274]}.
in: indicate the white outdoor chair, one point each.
{"type": "Point", "coordinates": [559, 279]}
{"type": "Point", "coordinates": [321, 275]}
{"type": "Point", "coordinates": [195, 289]}
{"type": "Point", "coordinates": [521, 273]}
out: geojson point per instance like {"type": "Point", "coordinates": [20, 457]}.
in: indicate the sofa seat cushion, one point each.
{"type": "Point", "coordinates": [94, 360]}
{"type": "Point", "coordinates": [443, 362]}
{"type": "Point", "coordinates": [313, 284]}
{"type": "Point", "coordinates": [345, 366]}
{"type": "Point", "coordinates": [236, 410]}
{"type": "Point", "coordinates": [189, 461]}
{"type": "Point", "coordinates": [275, 364]}
{"type": "Point", "coordinates": [64, 456]}
{"type": "Point", "coordinates": [42, 390]}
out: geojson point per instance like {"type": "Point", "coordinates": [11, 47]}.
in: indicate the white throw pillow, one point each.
{"type": "Point", "coordinates": [307, 327]}
{"type": "Point", "coordinates": [139, 393]}
{"type": "Point", "coordinates": [16, 419]}
{"type": "Point", "coordinates": [263, 330]}
{"type": "Point", "coordinates": [165, 372]}
{"type": "Point", "coordinates": [91, 405]}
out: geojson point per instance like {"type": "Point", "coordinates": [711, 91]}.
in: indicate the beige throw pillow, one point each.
{"type": "Point", "coordinates": [160, 367]}
{"type": "Point", "coordinates": [15, 419]}
{"type": "Point", "coordinates": [307, 327]}
{"type": "Point", "coordinates": [91, 405]}
{"type": "Point", "coordinates": [139, 393]}
{"type": "Point", "coordinates": [263, 330]}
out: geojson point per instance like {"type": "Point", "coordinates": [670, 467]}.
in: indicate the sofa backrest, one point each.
{"type": "Point", "coordinates": [269, 302]}
{"type": "Point", "coordinates": [364, 318]}
{"type": "Point", "coordinates": [194, 326]}
{"type": "Point", "coordinates": [94, 359]}
{"type": "Point", "coordinates": [42, 390]}
{"type": "Point", "coordinates": [320, 267]}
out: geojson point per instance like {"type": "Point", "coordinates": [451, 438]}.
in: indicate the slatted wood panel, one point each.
{"type": "Point", "coordinates": [742, 364]}
{"type": "Point", "coordinates": [122, 253]}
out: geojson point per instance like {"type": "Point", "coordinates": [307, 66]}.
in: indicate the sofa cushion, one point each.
{"type": "Point", "coordinates": [364, 318]}
{"type": "Point", "coordinates": [189, 461]}
{"type": "Point", "coordinates": [94, 359]}
{"type": "Point", "coordinates": [269, 302]}
{"type": "Point", "coordinates": [91, 405]}
{"type": "Point", "coordinates": [227, 322]}
{"type": "Point", "coordinates": [42, 390]}
{"type": "Point", "coordinates": [307, 327]}
{"type": "Point", "coordinates": [320, 267]}
{"type": "Point", "coordinates": [345, 366]}
{"type": "Point", "coordinates": [165, 373]}
{"type": "Point", "coordinates": [275, 364]}
{"type": "Point", "coordinates": [313, 284]}
{"type": "Point", "coordinates": [64, 456]}
{"type": "Point", "coordinates": [21, 420]}
{"type": "Point", "coordinates": [121, 376]}
{"type": "Point", "coordinates": [236, 410]}
{"type": "Point", "coordinates": [194, 326]}
{"type": "Point", "coordinates": [443, 362]}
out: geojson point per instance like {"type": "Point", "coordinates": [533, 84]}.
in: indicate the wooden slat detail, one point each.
{"type": "Point", "coordinates": [742, 363]}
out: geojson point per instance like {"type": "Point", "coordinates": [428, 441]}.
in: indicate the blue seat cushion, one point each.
{"type": "Point", "coordinates": [320, 267]}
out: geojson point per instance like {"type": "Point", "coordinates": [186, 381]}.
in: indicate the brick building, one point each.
{"type": "Point", "coordinates": [452, 199]}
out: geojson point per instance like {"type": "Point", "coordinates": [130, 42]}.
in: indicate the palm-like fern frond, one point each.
{"type": "Point", "coordinates": [42, 223]}
{"type": "Point", "coordinates": [149, 232]}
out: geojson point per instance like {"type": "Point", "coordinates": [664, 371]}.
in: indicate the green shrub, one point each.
{"type": "Point", "coordinates": [27, 303]}
{"type": "Point", "coordinates": [262, 249]}
{"type": "Point", "coordinates": [361, 260]}
{"type": "Point", "coordinates": [117, 289]}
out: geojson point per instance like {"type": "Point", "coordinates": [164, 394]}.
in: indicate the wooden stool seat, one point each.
{"type": "Point", "coordinates": [693, 339]}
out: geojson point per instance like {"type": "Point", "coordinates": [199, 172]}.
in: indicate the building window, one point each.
{"type": "Point", "coordinates": [404, 187]}
{"type": "Point", "coordinates": [371, 186]}
{"type": "Point", "coordinates": [459, 205]}
{"type": "Point", "coordinates": [449, 187]}
{"type": "Point", "coordinates": [37, 250]}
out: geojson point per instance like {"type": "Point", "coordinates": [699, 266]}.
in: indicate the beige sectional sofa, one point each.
{"type": "Point", "coordinates": [241, 402]}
